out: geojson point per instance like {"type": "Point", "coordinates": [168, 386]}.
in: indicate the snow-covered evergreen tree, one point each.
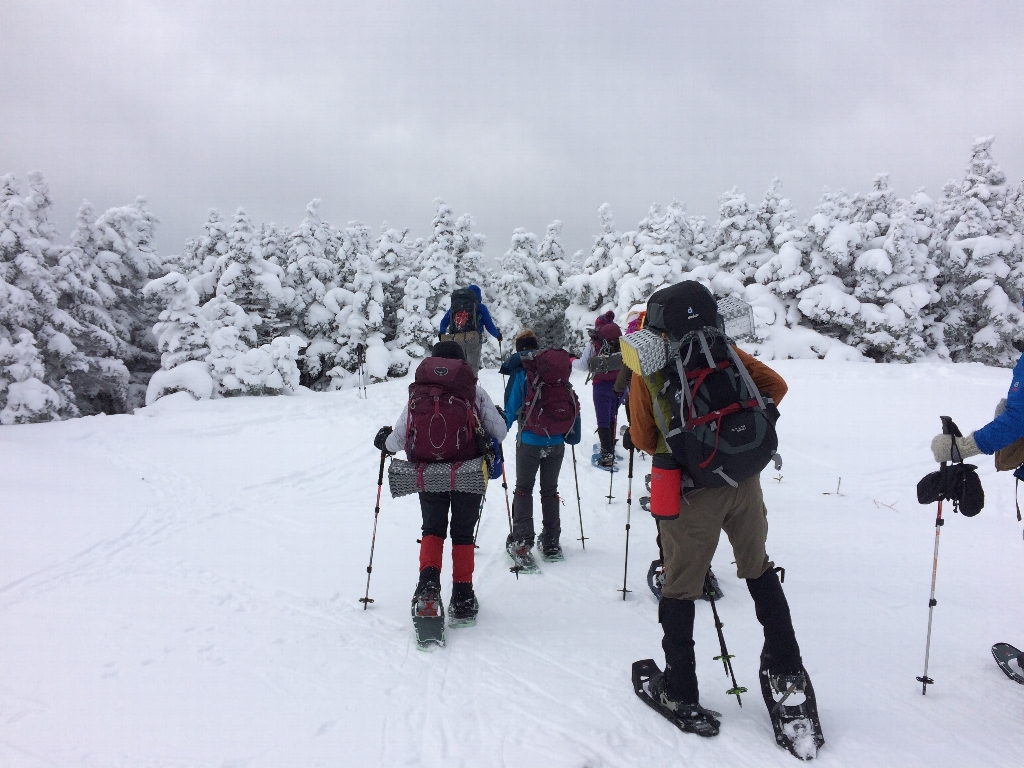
{"type": "Point", "coordinates": [428, 290]}
{"type": "Point", "coordinates": [29, 295]}
{"type": "Point", "coordinates": [739, 242]}
{"type": "Point", "coordinates": [983, 316]}
{"type": "Point", "coordinates": [468, 253]}
{"type": "Point", "coordinates": [549, 318]}
{"type": "Point", "coordinates": [24, 397]}
{"type": "Point", "coordinates": [522, 285]}
{"type": "Point", "coordinates": [253, 283]}
{"type": "Point", "coordinates": [126, 247]}
{"type": "Point", "coordinates": [198, 262]}
{"type": "Point", "coordinates": [87, 296]}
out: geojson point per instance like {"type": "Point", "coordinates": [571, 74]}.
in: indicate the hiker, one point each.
{"type": "Point", "coordinates": [463, 322]}
{"type": "Point", "coordinates": [604, 340]}
{"type": "Point", "coordinates": [446, 360]}
{"type": "Point", "coordinates": [692, 508]}
{"type": "Point", "coordinates": [542, 400]}
{"type": "Point", "coordinates": [1000, 436]}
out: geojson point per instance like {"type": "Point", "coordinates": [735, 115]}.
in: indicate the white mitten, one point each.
{"type": "Point", "coordinates": [942, 447]}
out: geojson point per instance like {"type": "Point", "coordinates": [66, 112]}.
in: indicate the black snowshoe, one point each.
{"type": "Point", "coordinates": [793, 710]}
{"type": "Point", "coordinates": [550, 549]}
{"type": "Point", "coordinates": [463, 607]}
{"type": "Point", "coordinates": [1004, 654]}
{"type": "Point", "coordinates": [650, 685]}
{"type": "Point", "coordinates": [428, 616]}
{"type": "Point", "coordinates": [522, 558]}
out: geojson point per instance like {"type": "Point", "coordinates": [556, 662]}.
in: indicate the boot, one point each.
{"type": "Point", "coordinates": [550, 549]}
{"type": "Point", "coordinates": [463, 606]}
{"type": "Point", "coordinates": [607, 439]}
{"type": "Point", "coordinates": [676, 617]}
{"type": "Point", "coordinates": [772, 609]}
{"type": "Point", "coordinates": [426, 600]}
{"type": "Point", "coordinates": [691, 715]}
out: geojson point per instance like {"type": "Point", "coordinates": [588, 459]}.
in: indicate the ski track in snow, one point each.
{"type": "Point", "coordinates": [181, 588]}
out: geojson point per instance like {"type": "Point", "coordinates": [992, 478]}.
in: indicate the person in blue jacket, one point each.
{"type": "Point", "coordinates": [470, 336]}
{"type": "Point", "coordinates": [535, 453]}
{"type": "Point", "coordinates": [483, 316]}
{"type": "Point", "coordinates": [1006, 427]}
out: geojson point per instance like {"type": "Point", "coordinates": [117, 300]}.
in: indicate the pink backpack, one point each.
{"type": "Point", "coordinates": [550, 407]}
{"type": "Point", "coordinates": [443, 422]}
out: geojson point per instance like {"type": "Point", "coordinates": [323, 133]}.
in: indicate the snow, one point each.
{"type": "Point", "coordinates": [181, 588]}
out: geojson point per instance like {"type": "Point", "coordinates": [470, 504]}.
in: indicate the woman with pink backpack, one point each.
{"type": "Point", "coordinates": [449, 420]}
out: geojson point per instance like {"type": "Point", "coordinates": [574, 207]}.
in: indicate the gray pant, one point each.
{"type": "Point", "coordinates": [471, 344]}
{"type": "Point", "coordinates": [531, 459]}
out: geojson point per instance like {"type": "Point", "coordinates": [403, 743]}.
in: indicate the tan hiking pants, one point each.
{"type": "Point", "coordinates": [689, 542]}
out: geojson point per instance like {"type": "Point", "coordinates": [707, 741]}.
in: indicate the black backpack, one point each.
{"type": "Point", "coordinates": [722, 429]}
{"type": "Point", "coordinates": [465, 311]}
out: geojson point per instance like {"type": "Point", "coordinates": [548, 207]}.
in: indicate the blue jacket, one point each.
{"type": "Point", "coordinates": [483, 316]}
{"type": "Point", "coordinates": [509, 368]}
{"type": "Point", "coordinates": [515, 402]}
{"type": "Point", "coordinates": [1008, 427]}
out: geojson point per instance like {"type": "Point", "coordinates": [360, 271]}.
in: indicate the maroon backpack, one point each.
{"type": "Point", "coordinates": [550, 407]}
{"type": "Point", "coordinates": [443, 423]}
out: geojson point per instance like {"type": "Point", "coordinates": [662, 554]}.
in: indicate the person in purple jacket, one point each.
{"type": "Point", "coordinates": [606, 335]}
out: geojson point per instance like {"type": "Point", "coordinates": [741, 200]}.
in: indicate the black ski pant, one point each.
{"type": "Point", "coordinates": [465, 508]}
{"type": "Point", "coordinates": [531, 460]}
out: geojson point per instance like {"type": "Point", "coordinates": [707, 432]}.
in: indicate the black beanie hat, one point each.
{"type": "Point", "coordinates": [525, 341]}
{"type": "Point", "coordinates": [449, 350]}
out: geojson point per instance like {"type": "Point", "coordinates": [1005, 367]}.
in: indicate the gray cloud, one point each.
{"type": "Point", "coordinates": [519, 114]}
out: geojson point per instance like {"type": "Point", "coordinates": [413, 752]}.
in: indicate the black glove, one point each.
{"type": "Point", "coordinates": [627, 441]}
{"type": "Point", "coordinates": [772, 413]}
{"type": "Point", "coordinates": [501, 412]}
{"type": "Point", "coordinates": [500, 337]}
{"type": "Point", "coordinates": [382, 434]}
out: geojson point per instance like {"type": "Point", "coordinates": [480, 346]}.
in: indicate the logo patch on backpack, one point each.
{"type": "Point", "coordinates": [441, 371]}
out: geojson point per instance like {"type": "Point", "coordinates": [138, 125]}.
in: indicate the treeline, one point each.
{"type": "Point", "coordinates": [260, 309]}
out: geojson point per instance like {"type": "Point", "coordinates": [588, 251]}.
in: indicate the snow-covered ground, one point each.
{"type": "Point", "coordinates": [181, 588]}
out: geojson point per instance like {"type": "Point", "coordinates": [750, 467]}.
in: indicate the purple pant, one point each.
{"type": "Point", "coordinates": [606, 403]}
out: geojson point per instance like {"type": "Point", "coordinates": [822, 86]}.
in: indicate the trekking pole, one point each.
{"type": "Point", "coordinates": [579, 506]}
{"type": "Point", "coordinates": [611, 469]}
{"type": "Point", "coordinates": [501, 356]}
{"type": "Point", "coordinates": [629, 504]}
{"type": "Point", "coordinates": [948, 428]}
{"type": "Point", "coordinates": [726, 658]}
{"type": "Point", "coordinates": [479, 517]}
{"type": "Point", "coordinates": [373, 542]}
{"type": "Point", "coordinates": [508, 508]}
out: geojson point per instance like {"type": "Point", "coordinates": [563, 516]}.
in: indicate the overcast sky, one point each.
{"type": "Point", "coordinates": [517, 112]}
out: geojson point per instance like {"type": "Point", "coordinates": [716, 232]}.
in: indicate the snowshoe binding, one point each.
{"type": "Point", "coordinates": [1005, 655]}
{"type": "Point", "coordinates": [550, 549]}
{"type": "Point", "coordinates": [603, 460]}
{"type": "Point", "coordinates": [463, 607]}
{"type": "Point", "coordinates": [522, 558]}
{"type": "Point", "coordinates": [428, 616]}
{"type": "Point", "coordinates": [656, 577]}
{"type": "Point", "coordinates": [645, 503]}
{"type": "Point", "coordinates": [650, 685]}
{"type": "Point", "coordinates": [711, 589]}
{"type": "Point", "coordinates": [793, 711]}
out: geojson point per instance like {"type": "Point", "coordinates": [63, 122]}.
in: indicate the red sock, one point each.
{"type": "Point", "coordinates": [462, 563]}
{"type": "Point", "coordinates": [431, 550]}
